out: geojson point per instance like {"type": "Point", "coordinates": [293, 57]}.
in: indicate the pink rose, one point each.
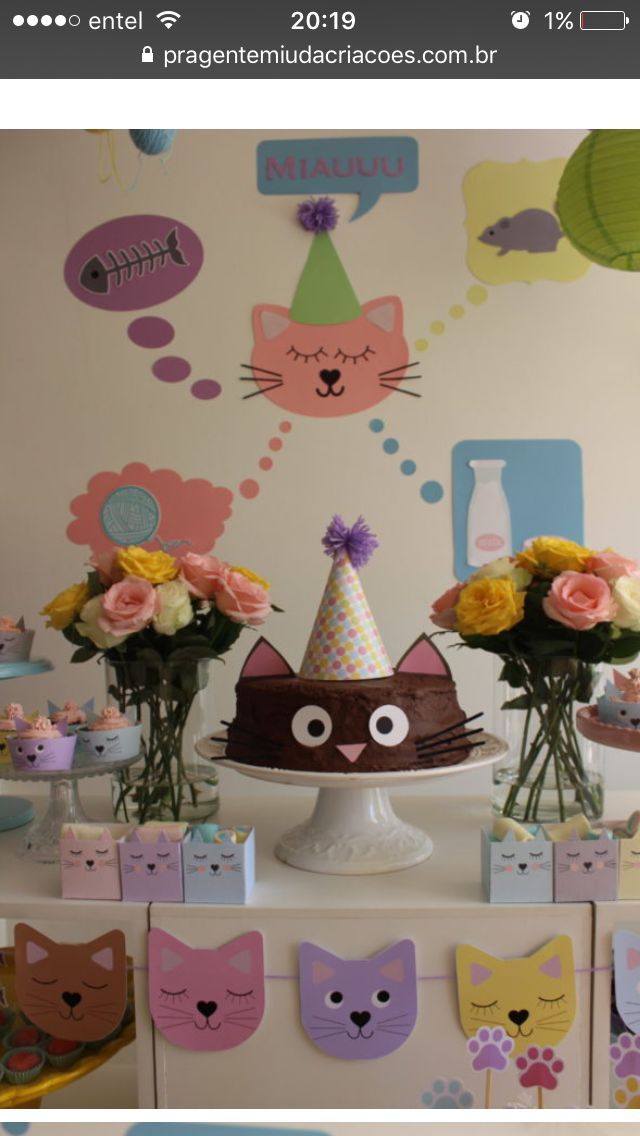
{"type": "Point", "coordinates": [243, 600]}
{"type": "Point", "coordinates": [128, 606]}
{"type": "Point", "coordinates": [203, 575]}
{"type": "Point", "coordinates": [611, 566]}
{"type": "Point", "coordinates": [105, 564]}
{"type": "Point", "coordinates": [579, 600]}
{"type": "Point", "coordinates": [443, 612]}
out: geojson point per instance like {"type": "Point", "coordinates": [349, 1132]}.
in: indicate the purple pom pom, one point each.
{"type": "Point", "coordinates": [358, 542]}
{"type": "Point", "coordinates": [318, 215]}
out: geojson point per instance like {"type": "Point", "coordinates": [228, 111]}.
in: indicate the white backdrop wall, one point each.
{"type": "Point", "coordinates": [547, 360]}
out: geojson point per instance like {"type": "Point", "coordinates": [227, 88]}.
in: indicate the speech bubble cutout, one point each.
{"type": "Point", "coordinates": [366, 166]}
{"type": "Point", "coordinates": [133, 262]}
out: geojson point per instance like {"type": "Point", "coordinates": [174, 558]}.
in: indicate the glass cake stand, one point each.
{"type": "Point", "coordinates": [16, 811]}
{"type": "Point", "coordinates": [353, 830]}
{"type": "Point", "coordinates": [64, 807]}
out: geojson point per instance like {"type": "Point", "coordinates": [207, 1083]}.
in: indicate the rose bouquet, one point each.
{"type": "Point", "coordinates": [157, 620]}
{"type": "Point", "coordinates": [551, 613]}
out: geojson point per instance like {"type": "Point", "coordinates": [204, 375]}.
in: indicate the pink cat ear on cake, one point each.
{"type": "Point", "coordinates": [263, 661]}
{"type": "Point", "coordinates": [423, 658]}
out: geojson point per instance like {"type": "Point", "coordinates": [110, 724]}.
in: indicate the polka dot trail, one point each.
{"type": "Point", "coordinates": [250, 488]}
{"type": "Point", "coordinates": [430, 491]}
{"type": "Point", "coordinates": [206, 389]}
{"type": "Point", "coordinates": [475, 295]}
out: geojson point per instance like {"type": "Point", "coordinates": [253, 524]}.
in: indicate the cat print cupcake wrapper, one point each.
{"type": "Point", "coordinates": [206, 999]}
{"type": "Point", "coordinates": [76, 991]}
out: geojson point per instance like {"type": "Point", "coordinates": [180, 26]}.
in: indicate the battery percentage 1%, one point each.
{"type": "Point", "coordinates": [558, 20]}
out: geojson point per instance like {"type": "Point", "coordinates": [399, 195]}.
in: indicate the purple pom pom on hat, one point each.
{"type": "Point", "coordinates": [318, 214]}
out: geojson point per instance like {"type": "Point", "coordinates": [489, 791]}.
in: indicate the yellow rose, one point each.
{"type": "Point", "coordinates": [63, 609]}
{"type": "Point", "coordinates": [156, 567]}
{"type": "Point", "coordinates": [487, 607]}
{"type": "Point", "coordinates": [549, 555]}
{"type": "Point", "coordinates": [504, 569]}
{"type": "Point", "coordinates": [253, 576]}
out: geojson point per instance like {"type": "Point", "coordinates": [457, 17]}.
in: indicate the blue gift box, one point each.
{"type": "Point", "coordinates": [517, 871]}
{"type": "Point", "coordinates": [219, 864]}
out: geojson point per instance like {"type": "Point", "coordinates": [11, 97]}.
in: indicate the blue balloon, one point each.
{"type": "Point", "coordinates": [152, 142]}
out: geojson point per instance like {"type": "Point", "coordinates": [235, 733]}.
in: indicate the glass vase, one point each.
{"type": "Point", "coordinates": [172, 782]}
{"type": "Point", "coordinates": [551, 772]}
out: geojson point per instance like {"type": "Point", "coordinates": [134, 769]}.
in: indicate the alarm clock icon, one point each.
{"type": "Point", "coordinates": [520, 20]}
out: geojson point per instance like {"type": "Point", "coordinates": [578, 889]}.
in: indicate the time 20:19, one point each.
{"type": "Point", "coordinates": [311, 21]}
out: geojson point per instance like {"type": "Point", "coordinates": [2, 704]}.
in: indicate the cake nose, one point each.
{"type": "Point", "coordinates": [351, 752]}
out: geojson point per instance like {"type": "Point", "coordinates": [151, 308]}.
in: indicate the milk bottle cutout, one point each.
{"type": "Point", "coordinates": [489, 517]}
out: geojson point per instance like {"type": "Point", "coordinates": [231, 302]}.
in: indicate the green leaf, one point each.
{"type": "Point", "coordinates": [83, 654]}
{"type": "Point", "coordinates": [522, 702]}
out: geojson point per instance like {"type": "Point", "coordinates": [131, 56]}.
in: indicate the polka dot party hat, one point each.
{"type": "Point", "coordinates": [345, 643]}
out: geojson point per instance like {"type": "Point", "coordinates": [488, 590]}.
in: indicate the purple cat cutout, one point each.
{"type": "Point", "coordinates": [362, 1008]}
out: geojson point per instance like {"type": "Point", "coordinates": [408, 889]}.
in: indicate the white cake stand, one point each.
{"type": "Point", "coordinates": [353, 830]}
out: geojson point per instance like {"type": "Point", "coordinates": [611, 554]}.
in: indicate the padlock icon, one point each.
{"type": "Point", "coordinates": [147, 55]}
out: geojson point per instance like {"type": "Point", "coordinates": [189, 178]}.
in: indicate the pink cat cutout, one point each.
{"type": "Point", "coordinates": [206, 999]}
{"type": "Point", "coordinates": [330, 370]}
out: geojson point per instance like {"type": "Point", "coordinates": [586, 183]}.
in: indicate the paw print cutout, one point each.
{"type": "Point", "coordinates": [539, 1068]}
{"type": "Point", "coordinates": [490, 1049]}
{"type": "Point", "coordinates": [628, 1095]}
{"type": "Point", "coordinates": [447, 1094]}
{"type": "Point", "coordinates": [625, 1056]}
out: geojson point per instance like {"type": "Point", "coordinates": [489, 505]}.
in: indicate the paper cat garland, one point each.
{"type": "Point", "coordinates": [76, 991]}
{"type": "Point", "coordinates": [533, 999]}
{"type": "Point", "coordinates": [358, 1008]}
{"type": "Point", "coordinates": [206, 999]}
{"type": "Point", "coordinates": [626, 973]}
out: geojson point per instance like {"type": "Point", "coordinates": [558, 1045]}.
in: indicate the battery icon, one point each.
{"type": "Point", "coordinates": [611, 21]}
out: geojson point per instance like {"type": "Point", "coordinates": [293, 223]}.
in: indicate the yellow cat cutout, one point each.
{"type": "Point", "coordinates": [533, 999]}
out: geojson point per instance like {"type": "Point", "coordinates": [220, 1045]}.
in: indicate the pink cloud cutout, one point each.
{"type": "Point", "coordinates": [152, 508]}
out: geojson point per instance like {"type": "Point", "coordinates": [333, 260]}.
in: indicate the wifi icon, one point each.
{"type": "Point", "coordinates": [168, 18]}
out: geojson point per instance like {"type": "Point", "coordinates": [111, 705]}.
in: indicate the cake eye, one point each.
{"type": "Point", "coordinates": [20, 749]}
{"type": "Point", "coordinates": [311, 725]}
{"type": "Point", "coordinates": [388, 725]}
{"type": "Point", "coordinates": [333, 999]}
{"type": "Point", "coordinates": [40, 747]}
{"type": "Point", "coordinates": [112, 739]}
{"type": "Point", "coordinates": [381, 998]}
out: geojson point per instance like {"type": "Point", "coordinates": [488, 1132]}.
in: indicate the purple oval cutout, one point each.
{"type": "Point", "coordinates": [171, 369]}
{"type": "Point", "coordinates": [133, 262]}
{"type": "Point", "coordinates": [149, 331]}
{"type": "Point", "coordinates": [206, 388]}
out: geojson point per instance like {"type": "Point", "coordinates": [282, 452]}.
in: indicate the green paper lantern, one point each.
{"type": "Point", "coordinates": [598, 201]}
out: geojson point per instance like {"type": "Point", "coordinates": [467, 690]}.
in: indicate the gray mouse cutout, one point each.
{"type": "Point", "coordinates": [531, 230]}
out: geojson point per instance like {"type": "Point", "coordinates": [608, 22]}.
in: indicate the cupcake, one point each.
{"type": "Point", "coordinates": [20, 1066]}
{"type": "Point", "coordinates": [61, 1053]}
{"type": "Point", "coordinates": [12, 711]}
{"type": "Point", "coordinates": [22, 1036]}
{"type": "Point", "coordinates": [109, 736]}
{"type": "Point", "coordinates": [15, 640]}
{"type": "Point", "coordinates": [41, 747]}
{"type": "Point", "coordinates": [70, 712]}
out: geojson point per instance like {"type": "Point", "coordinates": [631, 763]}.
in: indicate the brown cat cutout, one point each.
{"type": "Point", "coordinates": [76, 991]}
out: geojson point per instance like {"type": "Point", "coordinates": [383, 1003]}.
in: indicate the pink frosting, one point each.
{"type": "Point", "coordinates": [40, 728]}
{"type": "Point", "coordinates": [12, 711]}
{"type": "Point", "coordinates": [628, 685]}
{"type": "Point", "coordinates": [110, 719]}
{"type": "Point", "coordinates": [8, 624]}
{"type": "Point", "coordinates": [72, 712]}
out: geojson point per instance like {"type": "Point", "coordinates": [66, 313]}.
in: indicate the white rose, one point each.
{"type": "Point", "coordinates": [175, 610]}
{"type": "Point", "coordinates": [88, 626]}
{"type": "Point", "coordinates": [504, 569]}
{"type": "Point", "coordinates": [626, 594]}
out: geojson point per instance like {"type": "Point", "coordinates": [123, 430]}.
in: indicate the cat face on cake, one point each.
{"type": "Point", "coordinates": [287, 721]}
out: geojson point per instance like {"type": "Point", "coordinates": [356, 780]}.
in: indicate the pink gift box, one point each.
{"type": "Point", "coordinates": [89, 861]}
{"type": "Point", "coordinates": [585, 869]}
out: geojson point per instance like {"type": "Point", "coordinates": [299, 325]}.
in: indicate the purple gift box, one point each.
{"type": "Point", "coordinates": [586, 868]}
{"type": "Point", "coordinates": [151, 863]}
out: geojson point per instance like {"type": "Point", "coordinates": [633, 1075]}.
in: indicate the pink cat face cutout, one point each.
{"type": "Point", "coordinates": [330, 370]}
{"type": "Point", "coordinates": [206, 999]}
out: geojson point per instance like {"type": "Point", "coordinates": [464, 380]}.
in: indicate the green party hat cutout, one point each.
{"type": "Point", "coordinates": [324, 294]}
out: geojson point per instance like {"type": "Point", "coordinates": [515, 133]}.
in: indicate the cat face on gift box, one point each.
{"type": "Point", "coordinates": [522, 862]}
{"type": "Point", "coordinates": [151, 861]}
